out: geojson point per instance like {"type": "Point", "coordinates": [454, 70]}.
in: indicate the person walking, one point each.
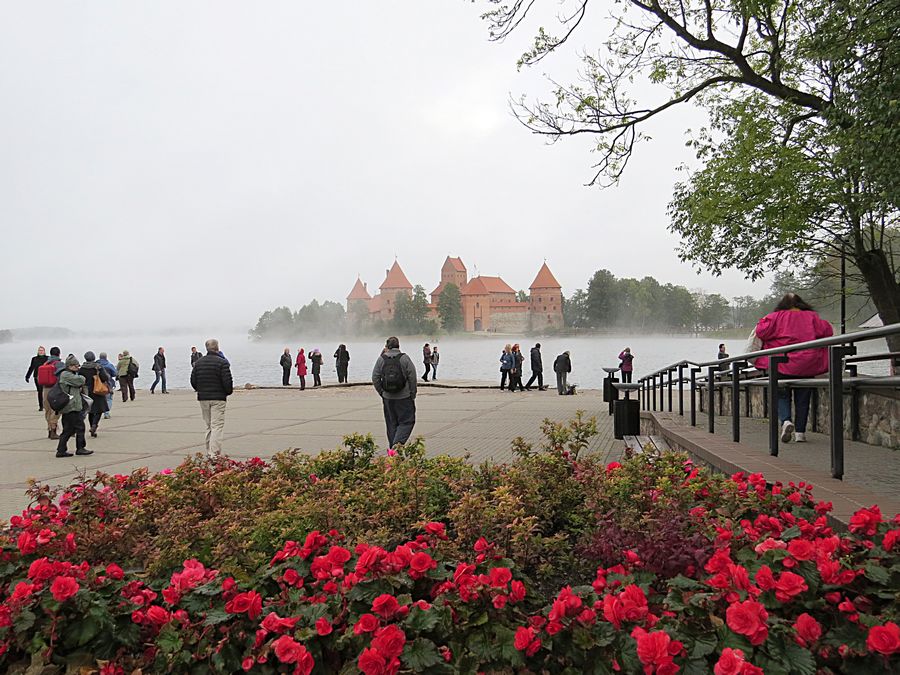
{"type": "Point", "coordinates": [72, 417]}
{"type": "Point", "coordinates": [195, 356]}
{"type": "Point", "coordinates": [96, 381]}
{"type": "Point", "coordinates": [159, 367]}
{"type": "Point", "coordinates": [315, 358]}
{"type": "Point", "coordinates": [562, 366]}
{"type": "Point", "coordinates": [435, 360]}
{"type": "Point", "coordinates": [626, 364]}
{"type": "Point", "coordinates": [515, 373]}
{"type": "Point", "coordinates": [506, 363]}
{"type": "Point", "coordinates": [127, 370]}
{"type": "Point", "coordinates": [37, 362]}
{"type": "Point", "coordinates": [394, 378]}
{"type": "Point", "coordinates": [48, 375]}
{"type": "Point", "coordinates": [286, 363]}
{"type": "Point", "coordinates": [301, 368]}
{"type": "Point", "coordinates": [426, 359]}
{"type": "Point", "coordinates": [211, 379]}
{"type": "Point", "coordinates": [111, 371]}
{"type": "Point", "coordinates": [794, 321]}
{"type": "Point", "coordinates": [537, 368]}
{"type": "Point", "coordinates": [342, 362]}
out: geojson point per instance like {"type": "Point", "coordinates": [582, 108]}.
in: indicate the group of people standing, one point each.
{"type": "Point", "coordinates": [512, 363]}
{"type": "Point", "coordinates": [341, 358]}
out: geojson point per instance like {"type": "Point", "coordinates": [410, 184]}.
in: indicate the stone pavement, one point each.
{"type": "Point", "coordinates": [158, 431]}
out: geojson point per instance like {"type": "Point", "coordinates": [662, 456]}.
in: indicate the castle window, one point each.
{"type": "Point", "coordinates": [545, 308]}
{"type": "Point", "coordinates": [478, 304]}
{"type": "Point", "coordinates": [554, 308]}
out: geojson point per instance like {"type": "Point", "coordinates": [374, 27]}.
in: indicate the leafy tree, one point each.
{"type": "Point", "coordinates": [714, 311]}
{"type": "Point", "coordinates": [574, 310]}
{"type": "Point", "coordinates": [449, 307]}
{"type": "Point", "coordinates": [411, 313]}
{"type": "Point", "coordinates": [276, 323]}
{"type": "Point", "coordinates": [521, 296]}
{"type": "Point", "coordinates": [602, 301]}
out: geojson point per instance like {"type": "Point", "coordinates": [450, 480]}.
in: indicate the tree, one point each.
{"type": "Point", "coordinates": [521, 296]}
{"type": "Point", "coordinates": [411, 313]}
{"type": "Point", "coordinates": [449, 307]}
{"type": "Point", "coordinates": [714, 311]}
{"type": "Point", "coordinates": [276, 323]}
{"type": "Point", "coordinates": [799, 93]}
{"type": "Point", "coordinates": [574, 310]}
{"type": "Point", "coordinates": [601, 302]}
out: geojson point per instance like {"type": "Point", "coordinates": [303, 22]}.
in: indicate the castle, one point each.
{"type": "Point", "coordinates": [488, 303]}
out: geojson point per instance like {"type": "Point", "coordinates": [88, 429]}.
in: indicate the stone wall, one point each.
{"type": "Point", "coordinates": [509, 322]}
{"type": "Point", "coordinates": [879, 411]}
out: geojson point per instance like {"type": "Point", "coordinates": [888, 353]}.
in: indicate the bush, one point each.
{"type": "Point", "coordinates": [554, 563]}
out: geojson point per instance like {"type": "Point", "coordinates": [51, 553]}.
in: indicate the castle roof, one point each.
{"type": "Point", "coordinates": [456, 263]}
{"type": "Point", "coordinates": [544, 279]}
{"type": "Point", "coordinates": [395, 278]}
{"type": "Point", "coordinates": [482, 285]}
{"type": "Point", "coordinates": [359, 291]}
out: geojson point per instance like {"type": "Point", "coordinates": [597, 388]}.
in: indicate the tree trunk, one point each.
{"type": "Point", "coordinates": [883, 289]}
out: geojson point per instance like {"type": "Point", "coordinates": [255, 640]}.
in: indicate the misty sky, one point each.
{"type": "Point", "coordinates": [191, 164]}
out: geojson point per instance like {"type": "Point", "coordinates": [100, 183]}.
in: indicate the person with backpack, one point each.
{"type": "Point", "coordinates": [315, 358]}
{"type": "Point", "coordinates": [211, 379]}
{"type": "Point", "coordinates": [286, 362]}
{"type": "Point", "coordinates": [159, 367]}
{"type": "Point", "coordinates": [97, 383]}
{"type": "Point", "coordinates": [111, 370]}
{"type": "Point", "coordinates": [127, 370]}
{"type": "Point", "coordinates": [37, 362]}
{"type": "Point", "coordinates": [562, 366]}
{"type": "Point", "coordinates": [394, 378]}
{"type": "Point", "coordinates": [537, 368]}
{"type": "Point", "coordinates": [71, 384]}
{"type": "Point", "coordinates": [47, 376]}
{"type": "Point", "coordinates": [342, 363]}
{"type": "Point", "coordinates": [301, 368]}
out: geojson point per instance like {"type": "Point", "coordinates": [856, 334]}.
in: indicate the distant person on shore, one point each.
{"type": "Point", "coordinates": [506, 363]}
{"type": "Point", "coordinates": [562, 366]}
{"type": "Point", "coordinates": [195, 356]}
{"type": "Point", "coordinates": [159, 367]}
{"type": "Point", "coordinates": [626, 364]}
{"type": "Point", "coordinates": [72, 416]}
{"type": "Point", "coordinates": [435, 360]}
{"type": "Point", "coordinates": [37, 362]}
{"type": "Point", "coordinates": [426, 359]}
{"type": "Point", "coordinates": [111, 370]}
{"type": "Point", "coordinates": [47, 376]}
{"type": "Point", "coordinates": [722, 355]}
{"type": "Point", "coordinates": [96, 381]}
{"type": "Point", "coordinates": [342, 363]}
{"type": "Point", "coordinates": [515, 373]}
{"type": "Point", "coordinates": [315, 358]}
{"type": "Point", "coordinates": [794, 321]}
{"type": "Point", "coordinates": [286, 363]}
{"type": "Point", "coordinates": [211, 379]}
{"type": "Point", "coordinates": [301, 368]}
{"type": "Point", "coordinates": [127, 369]}
{"type": "Point", "coordinates": [537, 368]}
{"type": "Point", "coordinates": [394, 378]}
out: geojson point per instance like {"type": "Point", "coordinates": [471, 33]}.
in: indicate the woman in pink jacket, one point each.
{"type": "Point", "coordinates": [794, 321]}
{"type": "Point", "coordinates": [301, 368]}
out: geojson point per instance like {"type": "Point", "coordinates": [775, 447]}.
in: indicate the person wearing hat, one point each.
{"type": "Point", "coordinates": [315, 358]}
{"type": "Point", "coordinates": [90, 369]}
{"type": "Point", "coordinates": [72, 419]}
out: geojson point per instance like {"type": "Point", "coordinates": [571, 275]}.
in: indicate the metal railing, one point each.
{"type": "Point", "coordinates": [840, 347]}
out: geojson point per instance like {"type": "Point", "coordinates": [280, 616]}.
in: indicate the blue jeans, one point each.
{"type": "Point", "coordinates": [160, 375]}
{"type": "Point", "coordinates": [802, 395]}
{"type": "Point", "coordinates": [109, 400]}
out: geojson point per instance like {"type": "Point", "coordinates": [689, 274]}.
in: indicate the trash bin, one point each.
{"type": "Point", "coordinates": [626, 418]}
{"type": "Point", "coordinates": [610, 393]}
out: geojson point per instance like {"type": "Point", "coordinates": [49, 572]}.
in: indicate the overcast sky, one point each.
{"type": "Point", "coordinates": [178, 163]}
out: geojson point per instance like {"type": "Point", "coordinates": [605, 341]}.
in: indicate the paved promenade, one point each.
{"type": "Point", "coordinates": [158, 431]}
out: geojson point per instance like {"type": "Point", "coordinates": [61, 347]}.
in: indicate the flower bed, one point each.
{"type": "Point", "coordinates": [350, 562]}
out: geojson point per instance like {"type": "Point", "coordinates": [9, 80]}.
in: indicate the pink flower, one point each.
{"type": "Point", "coordinates": [366, 624]}
{"type": "Point", "coordinates": [64, 588]}
{"type": "Point", "coordinates": [865, 521]}
{"type": "Point", "coordinates": [884, 639]}
{"type": "Point", "coordinates": [732, 662]}
{"type": "Point", "coordinates": [788, 586]}
{"type": "Point", "coordinates": [748, 618]}
{"type": "Point", "coordinates": [808, 630]}
{"type": "Point", "coordinates": [249, 603]}
{"type": "Point", "coordinates": [323, 626]}
{"type": "Point", "coordinates": [385, 605]}
{"type": "Point", "coordinates": [499, 577]}
{"type": "Point", "coordinates": [289, 650]}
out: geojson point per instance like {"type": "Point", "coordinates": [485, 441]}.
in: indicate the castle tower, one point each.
{"type": "Point", "coordinates": [453, 271]}
{"type": "Point", "coordinates": [358, 295]}
{"type": "Point", "coordinates": [395, 282]}
{"type": "Point", "coordinates": [545, 301]}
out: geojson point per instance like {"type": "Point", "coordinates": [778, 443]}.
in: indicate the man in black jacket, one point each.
{"type": "Point", "coordinates": [211, 379]}
{"type": "Point", "coordinates": [562, 366]}
{"type": "Point", "coordinates": [159, 367]}
{"type": "Point", "coordinates": [537, 368]}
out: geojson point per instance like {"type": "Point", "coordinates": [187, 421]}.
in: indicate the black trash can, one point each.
{"type": "Point", "coordinates": [610, 393]}
{"type": "Point", "coordinates": [626, 418]}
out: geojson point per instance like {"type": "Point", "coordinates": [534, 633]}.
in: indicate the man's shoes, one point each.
{"type": "Point", "coordinates": [800, 437]}
{"type": "Point", "coordinates": [542, 388]}
{"type": "Point", "coordinates": [40, 410]}
{"type": "Point", "coordinates": [64, 454]}
{"type": "Point", "coordinates": [152, 392]}
{"type": "Point", "coordinates": [165, 392]}
{"type": "Point", "coordinates": [93, 432]}
{"type": "Point", "coordinates": [84, 451]}
{"type": "Point", "coordinates": [787, 431]}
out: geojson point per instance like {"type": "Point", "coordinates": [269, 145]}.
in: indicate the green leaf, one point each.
{"type": "Point", "coordinates": [421, 620]}
{"type": "Point", "coordinates": [506, 640]}
{"type": "Point", "coordinates": [420, 654]}
{"type": "Point", "coordinates": [877, 573]}
{"type": "Point", "coordinates": [703, 646]}
{"type": "Point", "coordinates": [216, 616]}
{"type": "Point", "coordinates": [81, 632]}
{"type": "Point", "coordinates": [799, 659]}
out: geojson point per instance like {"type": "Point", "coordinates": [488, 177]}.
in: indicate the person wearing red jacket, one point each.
{"type": "Point", "coordinates": [792, 322]}
{"type": "Point", "coordinates": [301, 368]}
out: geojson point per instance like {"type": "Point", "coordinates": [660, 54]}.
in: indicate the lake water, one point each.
{"type": "Point", "coordinates": [471, 358]}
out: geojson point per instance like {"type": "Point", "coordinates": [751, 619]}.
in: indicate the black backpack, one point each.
{"type": "Point", "coordinates": [393, 379]}
{"type": "Point", "coordinates": [132, 368]}
{"type": "Point", "coordinates": [57, 398]}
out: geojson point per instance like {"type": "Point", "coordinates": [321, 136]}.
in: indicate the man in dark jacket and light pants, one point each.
{"type": "Point", "coordinates": [562, 366]}
{"type": "Point", "coordinates": [399, 405]}
{"type": "Point", "coordinates": [537, 368]}
{"type": "Point", "coordinates": [211, 379]}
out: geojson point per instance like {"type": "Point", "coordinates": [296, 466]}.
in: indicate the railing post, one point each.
{"type": "Point", "coordinates": [670, 372]}
{"type": "Point", "coordinates": [773, 402]}
{"type": "Point", "coordinates": [694, 372]}
{"type": "Point", "coordinates": [654, 392]}
{"type": "Point", "coordinates": [711, 384]}
{"type": "Point", "coordinates": [836, 354]}
{"type": "Point", "coordinates": [736, 400]}
{"type": "Point", "coordinates": [681, 389]}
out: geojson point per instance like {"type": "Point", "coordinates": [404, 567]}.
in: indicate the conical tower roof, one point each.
{"type": "Point", "coordinates": [544, 279]}
{"type": "Point", "coordinates": [359, 291]}
{"type": "Point", "coordinates": [395, 278]}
